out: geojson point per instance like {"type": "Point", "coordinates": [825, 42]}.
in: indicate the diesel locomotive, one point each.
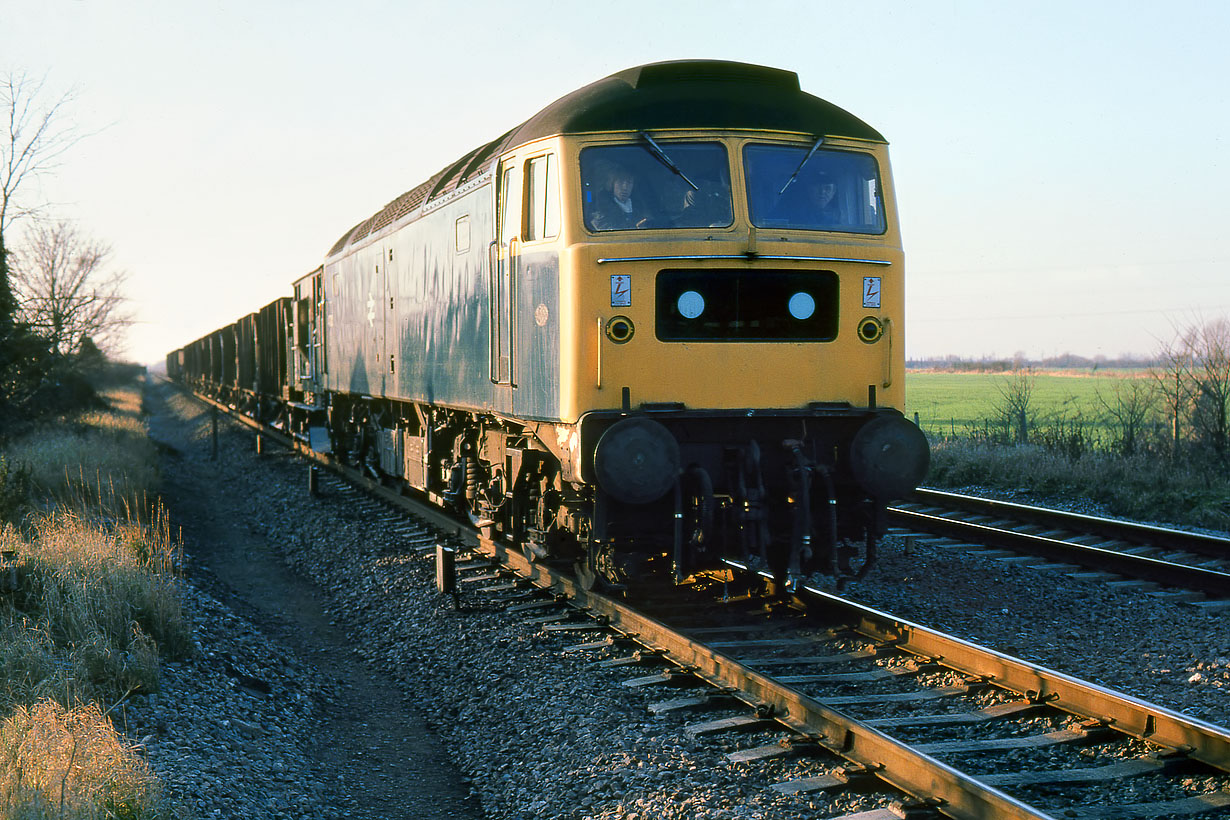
{"type": "Point", "coordinates": [655, 328]}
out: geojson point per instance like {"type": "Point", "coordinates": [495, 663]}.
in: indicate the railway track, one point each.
{"type": "Point", "coordinates": [1194, 567]}
{"type": "Point", "coordinates": [855, 699]}
{"type": "Point", "coordinates": [942, 727]}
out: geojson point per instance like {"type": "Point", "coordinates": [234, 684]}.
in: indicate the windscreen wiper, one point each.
{"type": "Point", "coordinates": [661, 156]}
{"type": "Point", "coordinates": [816, 145]}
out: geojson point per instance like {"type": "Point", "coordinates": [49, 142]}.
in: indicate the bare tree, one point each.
{"type": "Point", "coordinates": [30, 146]}
{"type": "Point", "coordinates": [1015, 406]}
{"type": "Point", "coordinates": [1129, 409]}
{"type": "Point", "coordinates": [1211, 384]}
{"type": "Point", "coordinates": [1193, 378]}
{"type": "Point", "coordinates": [1173, 377]}
{"type": "Point", "coordinates": [66, 291]}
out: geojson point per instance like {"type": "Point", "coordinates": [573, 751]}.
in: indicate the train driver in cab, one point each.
{"type": "Point", "coordinates": [822, 201]}
{"type": "Point", "coordinates": [617, 207]}
{"type": "Point", "coordinates": [810, 205]}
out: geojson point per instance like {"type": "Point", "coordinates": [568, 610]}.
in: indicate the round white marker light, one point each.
{"type": "Point", "coordinates": [802, 305]}
{"type": "Point", "coordinates": [691, 304]}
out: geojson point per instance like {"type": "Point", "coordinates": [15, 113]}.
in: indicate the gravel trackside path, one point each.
{"type": "Point", "coordinates": [275, 716]}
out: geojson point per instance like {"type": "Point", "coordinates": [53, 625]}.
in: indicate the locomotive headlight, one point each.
{"type": "Point", "coordinates": [802, 305]}
{"type": "Point", "coordinates": [870, 329]}
{"type": "Point", "coordinates": [691, 304]}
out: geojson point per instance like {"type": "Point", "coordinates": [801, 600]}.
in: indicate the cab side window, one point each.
{"type": "Point", "coordinates": [510, 198]}
{"type": "Point", "coordinates": [542, 198]}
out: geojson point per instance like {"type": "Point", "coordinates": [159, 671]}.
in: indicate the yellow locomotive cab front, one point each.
{"type": "Point", "coordinates": [732, 314]}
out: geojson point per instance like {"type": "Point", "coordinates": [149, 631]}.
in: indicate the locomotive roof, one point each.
{"type": "Point", "coordinates": [694, 94]}
{"type": "Point", "coordinates": [668, 95]}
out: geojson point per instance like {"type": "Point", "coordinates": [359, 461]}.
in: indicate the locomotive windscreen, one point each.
{"type": "Point", "coordinates": [789, 186]}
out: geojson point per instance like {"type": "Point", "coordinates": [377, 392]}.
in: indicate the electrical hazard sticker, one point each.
{"type": "Point", "coordinates": [871, 291]}
{"type": "Point", "coordinates": [621, 290]}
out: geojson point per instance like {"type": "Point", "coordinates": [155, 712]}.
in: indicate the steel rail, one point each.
{"type": "Point", "coordinates": [1210, 581]}
{"type": "Point", "coordinates": [1165, 537]}
{"type": "Point", "coordinates": [1201, 741]}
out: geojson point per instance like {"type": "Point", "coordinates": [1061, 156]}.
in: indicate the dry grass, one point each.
{"type": "Point", "coordinates": [71, 763]}
{"type": "Point", "coordinates": [93, 610]}
{"type": "Point", "coordinates": [98, 460]}
{"type": "Point", "coordinates": [88, 605]}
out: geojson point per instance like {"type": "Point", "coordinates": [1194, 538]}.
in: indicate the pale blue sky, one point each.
{"type": "Point", "coordinates": [1060, 166]}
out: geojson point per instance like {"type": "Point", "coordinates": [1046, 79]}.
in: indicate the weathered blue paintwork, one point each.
{"type": "Point", "coordinates": [408, 316]}
{"type": "Point", "coordinates": [537, 348]}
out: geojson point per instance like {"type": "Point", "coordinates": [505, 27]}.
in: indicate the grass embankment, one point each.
{"type": "Point", "coordinates": [88, 605]}
{"type": "Point", "coordinates": [1144, 487]}
{"type": "Point", "coordinates": [1075, 451]}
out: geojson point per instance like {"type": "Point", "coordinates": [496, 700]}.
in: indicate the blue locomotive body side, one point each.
{"type": "Point", "coordinates": [408, 315]}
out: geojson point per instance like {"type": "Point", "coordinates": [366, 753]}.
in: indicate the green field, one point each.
{"type": "Point", "coordinates": [952, 402]}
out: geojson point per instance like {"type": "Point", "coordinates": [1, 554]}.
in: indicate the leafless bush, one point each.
{"type": "Point", "coordinates": [1211, 404]}
{"type": "Point", "coordinates": [1014, 411]}
{"type": "Point", "coordinates": [32, 144]}
{"type": "Point", "coordinates": [1068, 433]}
{"type": "Point", "coordinates": [1129, 408]}
{"type": "Point", "coordinates": [1193, 379]}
